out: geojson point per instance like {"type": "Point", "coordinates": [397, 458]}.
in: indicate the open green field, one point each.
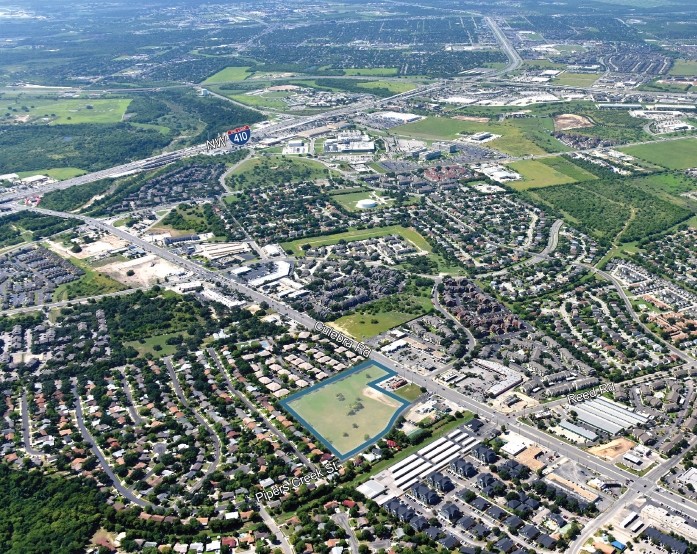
{"type": "Point", "coordinates": [160, 341]}
{"type": "Point", "coordinates": [228, 75]}
{"type": "Point", "coordinates": [366, 326]}
{"type": "Point", "coordinates": [409, 392]}
{"type": "Point", "coordinates": [673, 154]}
{"type": "Point", "coordinates": [73, 111]}
{"type": "Point", "coordinates": [684, 67]}
{"type": "Point", "coordinates": [348, 201]}
{"type": "Point", "coordinates": [548, 172]}
{"type": "Point", "coordinates": [91, 283]}
{"type": "Point", "coordinates": [396, 87]}
{"type": "Point", "coordinates": [266, 170]}
{"type": "Point", "coordinates": [576, 79]}
{"type": "Point", "coordinates": [270, 100]}
{"type": "Point", "coordinates": [519, 137]}
{"type": "Point", "coordinates": [58, 173]}
{"type": "Point", "coordinates": [537, 174]}
{"type": "Point", "coordinates": [347, 412]}
{"type": "Point", "coordinates": [295, 247]}
{"type": "Point", "coordinates": [373, 71]}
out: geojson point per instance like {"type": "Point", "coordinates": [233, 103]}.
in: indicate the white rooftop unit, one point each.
{"type": "Point", "coordinates": [456, 435]}
{"type": "Point", "coordinates": [606, 414]}
{"type": "Point", "coordinates": [432, 445]}
{"type": "Point", "coordinates": [597, 421]}
{"type": "Point", "coordinates": [405, 462]}
{"type": "Point", "coordinates": [469, 444]}
{"type": "Point", "coordinates": [423, 469]}
{"type": "Point", "coordinates": [629, 519]}
{"type": "Point", "coordinates": [371, 489]}
{"type": "Point", "coordinates": [451, 452]}
{"type": "Point", "coordinates": [619, 409]}
{"type": "Point", "coordinates": [407, 469]}
{"type": "Point", "coordinates": [638, 524]}
{"type": "Point", "coordinates": [436, 451]}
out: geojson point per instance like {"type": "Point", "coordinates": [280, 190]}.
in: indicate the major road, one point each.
{"type": "Point", "coordinates": [569, 451]}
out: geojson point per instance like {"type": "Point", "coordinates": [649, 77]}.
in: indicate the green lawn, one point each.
{"type": "Point", "coordinates": [347, 412]}
{"type": "Point", "coordinates": [366, 326]}
{"type": "Point", "coordinates": [684, 67]}
{"type": "Point", "coordinates": [576, 79]}
{"type": "Point", "coordinates": [382, 315]}
{"type": "Point", "coordinates": [673, 154]}
{"type": "Point", "coordinates": [74, 111]}
{"type": "Point", "coordinates": [373, 71]}
{"type": "Point", "coordinates": [228, 75]}
{"type": "Point", "coordinates": [148, 346]}
{"type": "Point", "coordinates": [409, 392]}
{"type": "Point", "coordinates": [548, 172]}
{"type": "Point", "coordinates": [59, 173]}
{"type": "Point", "coordinates": [409, 234]}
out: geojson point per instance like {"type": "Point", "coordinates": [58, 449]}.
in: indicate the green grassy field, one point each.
{"type": "Point", "coordinates": [90, 284]}
{"type": "Point", "coordinates": [228, 75]}
{"type": "Point", "coordinates": [373, 71]}
{"type": "Point", "coordinates": [409, 392]}
{"type": "Point", "coordinates": [59, 173]}
{"type": "Point", "coordinates": [674, 154]}
{"type": "Point", "coordinates": [359, 234]}
{"type": "Point", "coordinates": [394, 86]}
{"type": "Point", "coordinates": [684, 67]}
{"type": "Point", "coordinates": [148, 346]}
{"type": "Point", "coordinates": [519, 137]}
{"type": "Point", "coordinates": [537, 174]}
{"type": "Point", "coordinates": [366, 326]}
{"type": "Point", "coordinates": [348, 201]}
{"type": "Point", "coordinates": [266, 170]}
{"type": "Point", "coordinates": [74, 111]}
{"type": "Point", "coordinates": [347, 412]}
{"type": "Point", "coordinates": [547, 172]}
{"type": "Point", "coordinates": [269, 100]}
{"type": "Point", "coordinates": [576, 79]}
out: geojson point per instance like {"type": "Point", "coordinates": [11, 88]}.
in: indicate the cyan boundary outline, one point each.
{"type": "Point", "coordinates": [390, 373]}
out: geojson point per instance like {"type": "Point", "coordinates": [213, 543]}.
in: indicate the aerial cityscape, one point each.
{"type": "Point", "coordinates": [345, 277]}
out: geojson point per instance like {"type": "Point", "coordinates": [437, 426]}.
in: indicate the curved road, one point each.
{"type": "Point", "coordinates": [26, 428]}
{"type": "Point", "coordinates": [217, 447]}
{"type": "Point", "coordinates": [120, 487]}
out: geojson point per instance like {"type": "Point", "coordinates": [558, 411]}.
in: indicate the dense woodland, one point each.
{"type": "Point", "coordinates": [39, 226]}
{"type": "Point", "coordinates": [41, 513]}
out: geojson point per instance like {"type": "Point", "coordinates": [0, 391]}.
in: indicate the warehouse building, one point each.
{"type": "Point", "coordinates": [608, 416]}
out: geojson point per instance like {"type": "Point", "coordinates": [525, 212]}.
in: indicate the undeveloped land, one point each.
{"type": "Point", "coordinates": [147, 271]}
{"type": "Point", "coordinates": [571, 121]}
{"type": "Point", "coordinates": [613, 449]}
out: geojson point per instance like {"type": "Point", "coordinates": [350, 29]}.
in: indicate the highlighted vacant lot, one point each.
{"type": "Point", "coordinates": [348, 412]}
{"type": "Point", "coordinates": [673, 154]}
{"type": "Point", "coordinates": [228, 75]}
